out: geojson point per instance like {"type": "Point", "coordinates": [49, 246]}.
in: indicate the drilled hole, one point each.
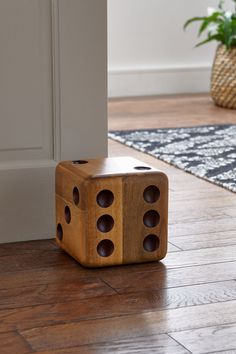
{"type": "Point", "coordinates": [151, 194]}
{"type": "Point", "coordinates": [67, 214]}
{"type": "Point", "coordinates": [76, 195]}
{"type": "Point", "coordinates": [151, 218]}
{"type": "Point", "coordinates": [59, 232]}
{"type": "Point", "coordinates": [151, 243]}
{"type": "Point", "coordinates": [105, 223]}
{"type": "Point", "coordinates": [105, 198]}
{"type": "Point", "coordinates": [79, 162]}
{"type": "Point", "coordinates": [105, 248]}
{"type": "Point", "coordinates": [140, 168]}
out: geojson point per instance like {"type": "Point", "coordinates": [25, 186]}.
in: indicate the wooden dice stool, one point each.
{"type": "Point", "coordinates": [111, 211]}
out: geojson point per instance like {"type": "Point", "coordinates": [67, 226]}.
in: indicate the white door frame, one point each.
{"type": "Point", "coordinates": [78, 81]}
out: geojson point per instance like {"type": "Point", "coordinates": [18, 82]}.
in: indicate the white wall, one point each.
{"type": "Point", "coordinates": [148, 51]}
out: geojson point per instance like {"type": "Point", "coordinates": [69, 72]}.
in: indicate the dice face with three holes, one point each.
{"type": "Point", "coordinates": [111, 211]}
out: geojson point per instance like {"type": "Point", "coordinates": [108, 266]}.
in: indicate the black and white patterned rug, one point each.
{"type": "Point", "coordinates": [207, 152]}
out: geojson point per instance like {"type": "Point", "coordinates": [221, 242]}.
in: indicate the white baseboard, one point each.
{"type": "Point", "coordinates": [125, 82]}
{"type": "Point", "coordinates": [27, 211]}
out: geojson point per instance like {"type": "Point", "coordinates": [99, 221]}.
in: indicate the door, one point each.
{"type": "Point", "coordinates": [53, 101]}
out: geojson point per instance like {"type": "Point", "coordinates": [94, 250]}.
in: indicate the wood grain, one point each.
{"type": "Point", "coordinates": [44, 259]}
{"type": "Point", "coordinates": [134, 209]}
{"type": "Point", "coordinates": [129, 280]}
{"type": "Point", "coordinates": [62, 273]}
{"type": "Point", "coordinates": [208, 240]}
{"type": "Point", "coordinates": [202, 227]}
{"type": "Point", "coordinates": [12, 342]}
{"type": "Point", "coordinates": [201, 256]}
{"type": "Point", "coordinates": [87, 332]}
{"type": "Point", "coordinates": [166, 112]}
{"type": "Point", "coordinates": [225, 202]}
{"type": "Point", "coordinates": [53, 293]}
{"type": "Point", "coordinates": [200, 214]}
{"type": "Point", "coordinates": [231, 212]}
{"type": "Point", "coordinates": [203, 340]}
{"type": "Point", "coordinates": [8, 249]}
{"type": "Point", "coordinates": [104, 167]}
{"type": "Point", "coordinates": [156, 344]}
{"type": "Point", "coordinates": [73, 234]}
{"type": "Point", "coordinates": [233, 351]}
{"type": "Point", "coordinates": [172, 248]}
{"type": "Point", "coordinates": [128, 238]}
{"type": "Point", "coordinates": [115, 210]}
{"type": "Point", "coordinates": [109, 306]}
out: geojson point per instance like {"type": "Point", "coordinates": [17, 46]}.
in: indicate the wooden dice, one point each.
{"type": "Point", "coordinates": [111, 211]}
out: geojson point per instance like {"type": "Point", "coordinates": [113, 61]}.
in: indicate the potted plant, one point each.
{"type": "Point", "coordinates": [220, 26]}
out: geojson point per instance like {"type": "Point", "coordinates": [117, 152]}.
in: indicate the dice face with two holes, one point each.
{"type": "Point", "coordinates": [111, 211]}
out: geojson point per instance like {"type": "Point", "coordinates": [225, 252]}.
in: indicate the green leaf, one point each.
{"type": "Point", "coordinates": [221, 27]}
{"type": "Point", "coordinates": [214, 18]}
{"type": "Point", "coordinates": [227, 30]}
{"type": "Point", "coordinates": [215, 37]}
{"type": "Point", "coordinates": [194, 19]}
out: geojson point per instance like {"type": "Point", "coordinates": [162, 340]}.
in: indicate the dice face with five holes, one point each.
{"type": "Point", "coordinates": [111, 211]}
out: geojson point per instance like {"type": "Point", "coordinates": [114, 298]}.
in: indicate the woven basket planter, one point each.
{"type": "Point", "coordinates": [223, 78]}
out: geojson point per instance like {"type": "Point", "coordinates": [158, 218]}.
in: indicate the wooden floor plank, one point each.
{"type": "Point", "coordinates": [172, 248]}
{"type": "Point", "coordinates": [202, 227]}
{"type": "Point", "coordinates": [34, 259]}
{"type": "Point", "coordinates": [198, 194]}
{"type": "Point", "coordinates": [12, 342]}
{"type": "Point", "coordinates": [167, 111]}
{"type": "Point", "coordinates": [95, 331]}
{"type": "Point", "coordinates": [125, 303]}
{"type": "Point", "coordinates": [53, 293]}
{"type": "Point", "coordinates": [225, 203]}
{"type": "Point", "coordinates": [173, 260]}
{"type": "Point", "coordinates": [202, 256]}
{"type": "Point", "coordinates": [65, 273]}
{"type": "Point", "coordinates": [208, 240]}
{"type": "Point", "coordinates": [129, 280]}
{"type": "Point", "coordinates": [233, 351]}
{"type": "Point", "coordinates": [208, 339]}
{"type": "Point", "coordinates": [231, 211]}
{"type": "Point", "coordinates": [156, 344]}
{"type": "Point", "coordinates": [27, 247]}
{"type": "Point", "coordinates": [199, 214]}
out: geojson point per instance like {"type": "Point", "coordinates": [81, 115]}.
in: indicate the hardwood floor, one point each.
{"type": "Point", "coordinates": [184, 304]}
{"type": "Point", "coordinates": [167, 111]}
